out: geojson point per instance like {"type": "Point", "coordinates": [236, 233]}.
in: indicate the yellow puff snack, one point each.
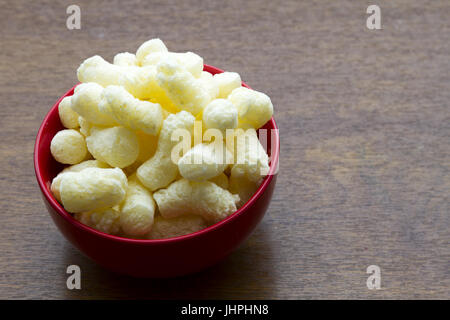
{"type": "Point", "coordinates": [139, 81]}
{"type": "Point", "coordinates": [254, 108]}
{"type": "Point", "coordinates": [85, 102]}
{"type": "Point", "coordinates": [68, 146]}
{"type": "Point", "coordinates": [125, 59]}
{"type": "Point", "coordinates": [138, 209]}
{"type": "Point", "coordinates": [204, 161]}
{"type": "Point", "coordinates": [220, 114]}
{"type": "Point", "coordinates": [147, 148]}
{"type": "Point", "coordinates": [227, 82]}
{"type": "Point", "coordinates": [92, 189]}
{"type": "Point", "coordinates": [160, 170]}
{"type": "Point", "coordinates": [251, 160]}
{"type": "Point", "coordinates": [68, 117]}
{"type": "Point", "coordinates": [75, 168]}
{"type": "Point", "coordinates": [98, 70]}
{"type": "Point", "coordinates": [207, 80]}
{"type": "Point", "coordinates": [85, 126]}
{"type": "Point", "coordinates": [117, 146]}
{"type": "Point", "coordinates": [131, 112]}
{"type": "Point", "coordinates": [148, 47]}
{"type": "Point", "coordinates": [201, 198]}
{"type": "Point", "coordinates": [104, 220]}
{"type": "Point", "coordinates": [183, 89]}
{"type": "Point", "coordinates": [191, 61]}
{"type": "Point", "coordinates": [168, 228]}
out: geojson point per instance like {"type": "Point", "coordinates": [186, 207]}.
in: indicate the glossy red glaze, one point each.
{"type": "Point", "coordinates": [152, 258]}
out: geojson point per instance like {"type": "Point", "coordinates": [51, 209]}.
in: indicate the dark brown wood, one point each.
{"type": "Point", "coordinates": [365, 155]}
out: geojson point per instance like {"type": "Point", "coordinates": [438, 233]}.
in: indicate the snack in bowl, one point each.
{"type": "Point", "coordinates": [139, 168]}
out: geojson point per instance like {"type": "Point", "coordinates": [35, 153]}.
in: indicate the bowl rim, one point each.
{"type": "Point", "coordinates": [274, 157]}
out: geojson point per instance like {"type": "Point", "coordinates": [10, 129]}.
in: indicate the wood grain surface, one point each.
{"type": "Point", "coordinates": [365, 155]}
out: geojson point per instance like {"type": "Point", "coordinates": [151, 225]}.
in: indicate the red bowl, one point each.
{"type": "Point", "coordinates": [152, 258]}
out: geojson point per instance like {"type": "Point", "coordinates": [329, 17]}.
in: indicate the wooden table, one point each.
{"type": "Point", "coordinates": [365, 155]}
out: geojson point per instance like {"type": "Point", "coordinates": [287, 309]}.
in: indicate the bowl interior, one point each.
{"type": "Point", "coordinates": [46, 167]}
